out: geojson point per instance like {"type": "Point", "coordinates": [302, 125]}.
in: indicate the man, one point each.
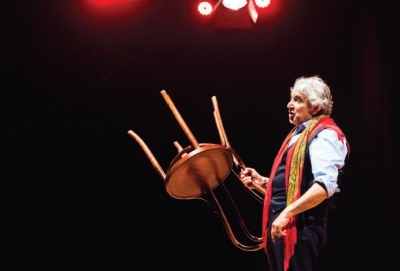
{"type": "Point", "coordinates": [303, 179]}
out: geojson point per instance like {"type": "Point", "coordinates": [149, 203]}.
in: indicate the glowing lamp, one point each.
{"type": "Point", "coordinates": [234, 4]}
{"type": "Point", "coordinates": [205, 8]}
{"type": "Point", "coordinates": [263, 3]}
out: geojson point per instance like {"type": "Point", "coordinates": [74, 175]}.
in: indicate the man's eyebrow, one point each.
{"type": "Point", "coordinates": [297, 96]}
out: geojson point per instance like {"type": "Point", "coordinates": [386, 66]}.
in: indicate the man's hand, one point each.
{"type": "Point", "coordinates": [249, 176]}
{"type": "Point", "coordinates": [311, 198]}
{"type": "Point", "coordinates": [278, 227]}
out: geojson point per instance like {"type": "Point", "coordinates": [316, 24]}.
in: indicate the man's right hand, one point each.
{"type": "Point", "coordinates": [249, 176]}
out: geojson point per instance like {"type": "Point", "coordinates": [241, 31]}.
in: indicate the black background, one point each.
{"type": "Point", "coordinates": [77, 193]}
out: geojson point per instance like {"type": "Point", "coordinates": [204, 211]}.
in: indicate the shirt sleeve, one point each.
{"type": "Point", "coordinates": [327, 154]}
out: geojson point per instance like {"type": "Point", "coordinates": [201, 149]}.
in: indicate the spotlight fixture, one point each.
{"type": "Point", "coordinates": [205, 8]}
{"type": "Point", "coordinates": [263, 3]}
{"type": "Point", "coordinates": [232, 10]}
{"type": "Point", "coordinates": [234, 4]}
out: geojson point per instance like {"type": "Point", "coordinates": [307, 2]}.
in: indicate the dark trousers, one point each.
{"type": "Point", "coordinates": [311, 239]}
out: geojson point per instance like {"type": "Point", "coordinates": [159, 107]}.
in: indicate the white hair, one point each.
{"type": "Point", "coordinates": [316, 91]}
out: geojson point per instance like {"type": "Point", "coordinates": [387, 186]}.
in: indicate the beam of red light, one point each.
{"type": "Point", "coordinates": [107, 3]}
{"type": "Point", "coordinates": [115, 10]}
{"type": "Point", "coordinates": [110, 7]}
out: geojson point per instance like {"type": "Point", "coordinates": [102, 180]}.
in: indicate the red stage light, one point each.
{"type": "Point", "coordinates": [205, 8]}
{"type": "Point", "coordinates": [263, 3]}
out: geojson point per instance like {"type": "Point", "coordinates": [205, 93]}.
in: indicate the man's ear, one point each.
{"type": "Point", "coordinates": [316, 109]}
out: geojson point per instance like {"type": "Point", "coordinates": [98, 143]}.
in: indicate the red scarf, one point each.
{"type": "Point", "coordinates": [290, 238]}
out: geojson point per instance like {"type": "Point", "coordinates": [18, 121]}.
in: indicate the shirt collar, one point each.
{"type": "Point", "coordinates": [306, 123]}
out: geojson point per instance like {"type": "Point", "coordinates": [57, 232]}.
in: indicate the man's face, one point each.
{"type": "Point", "coordinates": [299, 110]}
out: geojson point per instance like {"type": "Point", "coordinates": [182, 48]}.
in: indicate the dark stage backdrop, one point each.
{"type": "Point", "coordinates": [77, 193]}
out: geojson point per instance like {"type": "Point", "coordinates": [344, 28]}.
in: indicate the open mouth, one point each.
{"type": "Point", "coordinates": [291, 115]}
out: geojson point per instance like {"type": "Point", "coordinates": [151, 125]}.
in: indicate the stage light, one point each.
{"type": "Point", "coordinates": [205, 8]}
{"type": "Point", "coordinates": [234, 4]}
{"type": "Point", "coordinates": [263, 3]}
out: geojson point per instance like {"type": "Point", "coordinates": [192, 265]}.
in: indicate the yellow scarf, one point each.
{"type": "Point", "coordinates": [296, 165]}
